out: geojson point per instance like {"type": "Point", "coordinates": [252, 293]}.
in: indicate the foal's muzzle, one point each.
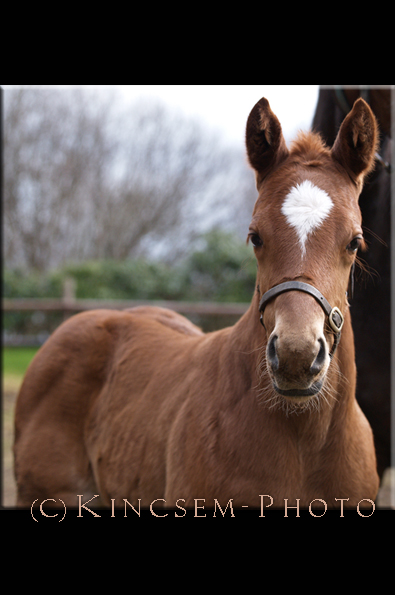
{"type": "Point", "coordinates": [335, 317]}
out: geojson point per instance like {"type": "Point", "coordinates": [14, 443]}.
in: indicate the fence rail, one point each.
{"type": "Point", "coordinates": [68, 306]}
{"type": "Point", "coordinates": [80, 305]}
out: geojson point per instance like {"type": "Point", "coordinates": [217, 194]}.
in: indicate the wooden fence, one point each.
{"type": "Point", "coordinates": [68, 305]}
{"type": "Point", "coordinates": [71, 306]}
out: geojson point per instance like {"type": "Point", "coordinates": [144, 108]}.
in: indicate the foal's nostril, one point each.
{"type": "Point", "coordinates": [272, 353]}
{"type": "Point", "coordinates": [319, 361]}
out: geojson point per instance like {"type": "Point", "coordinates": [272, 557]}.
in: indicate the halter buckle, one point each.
{"type": "Point", "coordinates": [336, 319]}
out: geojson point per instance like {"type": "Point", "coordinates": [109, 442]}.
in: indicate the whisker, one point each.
{"type": "Point", "coordinates": [372, 233]}
{"type": "Point", "coordinates": [268, 398]}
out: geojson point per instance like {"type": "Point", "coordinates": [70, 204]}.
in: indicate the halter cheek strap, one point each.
{"type": "Point", "coordinates": [335, 317]}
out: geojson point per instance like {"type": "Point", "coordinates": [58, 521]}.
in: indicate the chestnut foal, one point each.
{"type": "Point", "coordinates": [140, 405]}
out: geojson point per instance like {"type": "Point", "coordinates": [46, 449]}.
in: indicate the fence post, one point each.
{"type": "Point", "coordinates": [69, 295]}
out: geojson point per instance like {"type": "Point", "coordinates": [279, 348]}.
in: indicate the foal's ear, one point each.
{"type": "Point", "coordinates": [264, 139]}
{"type": "Point", "coordinates": [356, 143]}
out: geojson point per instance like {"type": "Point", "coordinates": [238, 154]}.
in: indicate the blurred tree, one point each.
{"type": "Point", "coordinates": [56, 162]}
{"type": "Point", "coordinates": [85, 178]}
{"type": "Point", "coordinates": [223, 269]}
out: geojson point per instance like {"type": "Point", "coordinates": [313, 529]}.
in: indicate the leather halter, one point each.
{"type": "Point", "coordinates": [335, 317]}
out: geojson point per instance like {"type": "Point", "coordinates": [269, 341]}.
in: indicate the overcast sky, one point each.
{"type": "Point", "coordinates": [226, 107]}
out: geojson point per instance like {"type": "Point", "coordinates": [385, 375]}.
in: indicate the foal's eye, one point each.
{"type": "Point", "coordinates": [255, 240]}
{"type": "Point", "coordinates": [354, 245]}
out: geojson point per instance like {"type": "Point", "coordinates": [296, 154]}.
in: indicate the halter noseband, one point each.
{"type": "Point", "coordinates": [335, 317]}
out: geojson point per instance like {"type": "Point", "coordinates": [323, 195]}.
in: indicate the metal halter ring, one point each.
{"type": "Point", "coordinates": [336, 319]}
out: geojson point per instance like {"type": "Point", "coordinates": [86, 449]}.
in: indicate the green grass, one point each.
{"type": "Point", "coordinates": [16, 361]}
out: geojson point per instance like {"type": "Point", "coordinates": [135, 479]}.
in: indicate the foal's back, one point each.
{"type": "Point", "coordinates": [89, 389]}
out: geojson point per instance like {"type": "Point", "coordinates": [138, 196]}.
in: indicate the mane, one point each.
{"type": "Point", "coordinates": [308, 148]}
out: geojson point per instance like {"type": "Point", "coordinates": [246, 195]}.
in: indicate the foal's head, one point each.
{"type": "Point", "coordinates": [306, 227]}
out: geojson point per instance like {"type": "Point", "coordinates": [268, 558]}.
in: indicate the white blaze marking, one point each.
{"type": "Point", "coordinates": [306, 207]}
